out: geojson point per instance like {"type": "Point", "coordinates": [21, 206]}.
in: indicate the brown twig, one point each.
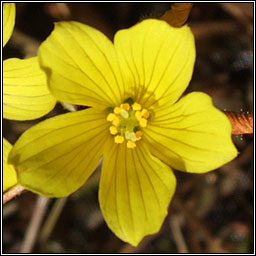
{"type": "Point", "coordinates": [34, 225]}
{"type": "Point", "coordinates": [178, 14]}
{"type": "Point", "coordinates": [51, 220]}
{"type": "Point", "coordinates": [175, 225]}
{"type": "Point", "coordinates": [242, 123]}
{"type": "Point", "coordinates": [13, 192]}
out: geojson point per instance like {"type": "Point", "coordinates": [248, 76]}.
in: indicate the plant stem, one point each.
{"type": "Point", "coordinates": [13, 192]}
{"type": "Point", "coordinates": [51, 220]}
{"type": "Point", "coordinates": [34, 225]}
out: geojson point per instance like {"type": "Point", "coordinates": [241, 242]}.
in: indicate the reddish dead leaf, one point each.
{"type": "Point", "coordinates": [242, 123]}
{"type": "Point", "coordinates": [178, 14]}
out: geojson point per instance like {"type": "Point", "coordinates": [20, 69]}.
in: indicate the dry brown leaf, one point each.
{"type": "Point", "coordinates": [178, 14]}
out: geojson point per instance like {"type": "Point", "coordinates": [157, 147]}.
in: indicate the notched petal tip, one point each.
{"type": "Point", "coordinates": [56, 157]}
{"type": "Point", "coordinates": [135, 191]}
{"type": "Point", "coordinates": [156, 73]}
{"type": "Point", "coordinates": [25, 92]}
{"type": "Point", "coordinates": [83, 64]}
{"type": "Point", "coordinates": [192, 135]}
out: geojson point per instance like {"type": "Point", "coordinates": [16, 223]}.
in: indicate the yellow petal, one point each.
{"type": "Point", "coordinates": [157, 61]}
{"type": "Point", "coordinates": [55, 157]}
{"type": "Point", "coordinates": [25, 93]}
{"type": "Point", "coordinates": [192, 135]}
{"type": "Point", "coordinates": [8, 21]}
{"type": "Point", "coordinates": [135, 191]}
{"type": "Point", "coordinates": [81, 66]}
{"type": "Point", "coordinates": [9, 174]}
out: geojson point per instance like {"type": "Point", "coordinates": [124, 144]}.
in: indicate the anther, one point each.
{"type": "Point", "coordinates": [116, 121]}
{"type": "Point", "coordinates": [113, 130]}
{"type": "Point", "coordinates": [127, 119]}
{"type": "Point", "coordinates": [125, 106]}
{"type": "Point", "coordinates": [117, 110]}
{"type": "Point", "coordinates": [136, 106]}
{"type": "Point", "coordinates": [143, 122]}
{"type": "Point", "coordinates": [138, 135]}
{"type": "Point", "coordinates": [131, 144]}
{"type": "Point", "coordinates": [119, 139]}
{"type": "Point", "coordinates": [145, 113]}
{"type": "Point", "coordinates": [138, 115]}
{"type": "Point", "coordinates": [111, 117]}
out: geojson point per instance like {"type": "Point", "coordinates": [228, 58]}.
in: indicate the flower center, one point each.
{"type": "Point", "coordinates": [127, 120]}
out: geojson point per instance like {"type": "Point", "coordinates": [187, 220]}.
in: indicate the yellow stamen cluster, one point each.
{"type": "Point", "coordinates": [126, 122]}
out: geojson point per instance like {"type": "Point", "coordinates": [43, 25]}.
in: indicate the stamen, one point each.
{"type": "Point", "coordinates": [145, 113]}
{"type": "Point", "coordinates": [116, 121]}
{"type": "Point", "coordinates": [136, 106]}
{"type": "Point", "coordinates": [143, 122]}
{"type": "Point", "coordinates": [127, 121]}
{"type": "Point", "coordinates": [138, 135]}
{"type": "Point", "coordinates": [117, 110]}
{"type": "Point", "coordinates": [138, 115]}
{"type": "Point", "coordinates": [113, 130]}
{"type": "Point", "coordinates": [111, 117]}
{"type": "Point", "coordinates": [130, 144]}
{"type": "Point", "coordinates": [125, 106]}
{"type": "Point", "coordinates": [119, 139]}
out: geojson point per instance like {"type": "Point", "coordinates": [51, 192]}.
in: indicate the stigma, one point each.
{"type": "Point", "coordinates": [126, 123]}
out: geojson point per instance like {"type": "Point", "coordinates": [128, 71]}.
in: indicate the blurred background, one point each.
{"type": "Point", "coordinates": [210, 213]}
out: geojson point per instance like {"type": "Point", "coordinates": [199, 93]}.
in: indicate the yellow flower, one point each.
{"type": "Point", "coordinates": [133, 85]}
{"type": "Point", "coordinates": [25, 93]}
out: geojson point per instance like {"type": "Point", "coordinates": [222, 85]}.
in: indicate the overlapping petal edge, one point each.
{"type": "Point", "coordinates": [25, 93]}
{"type": "Point", "coordinates": [9, 174]}
{"type": "Point", "coordinates": [152, 63]}
{"type": "Point", "coordinates": [55, 157]}
{"type": "Point", "coordinates": [135, 191]}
